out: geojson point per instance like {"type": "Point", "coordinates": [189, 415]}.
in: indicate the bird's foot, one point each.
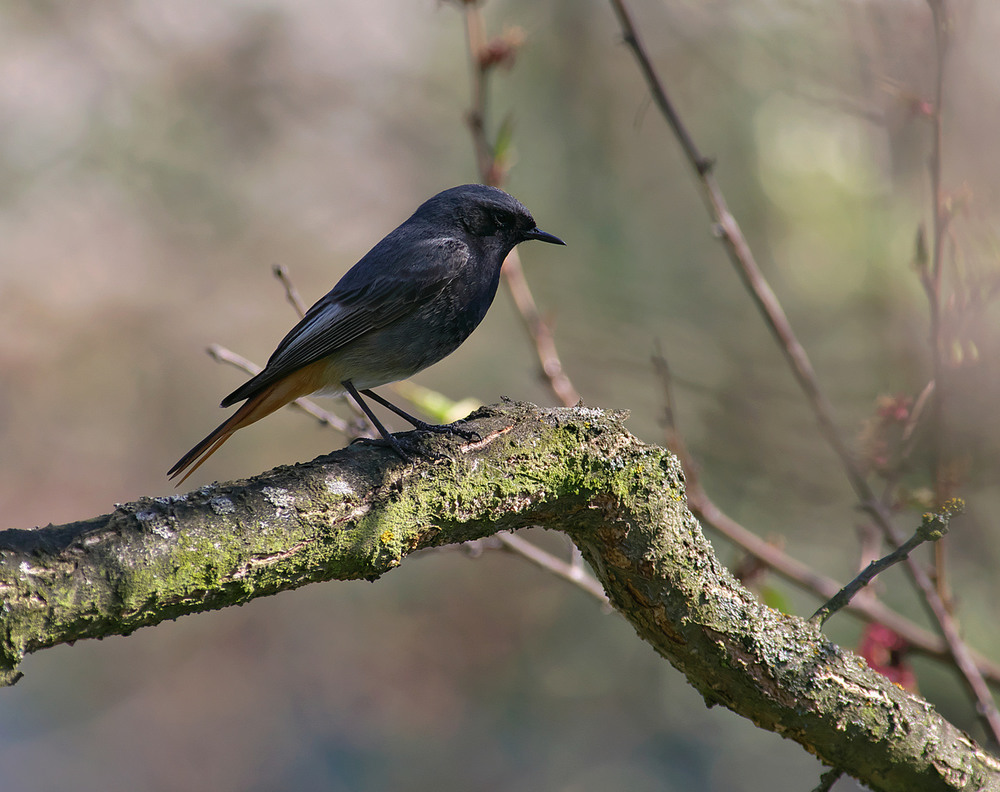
{"type": "Point", "coordinates": [406, 445]}
{"type": "Point", "coordinates": [404, 451]}
{"type": "Point", "coordinates": [449, 429]}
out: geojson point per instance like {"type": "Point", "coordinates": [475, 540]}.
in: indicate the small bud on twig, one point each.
{"type": "Point", "coordinates": [502, 50]}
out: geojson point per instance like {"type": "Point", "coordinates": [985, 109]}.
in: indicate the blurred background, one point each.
{"type": "Point", "coordinates": [157, 158]}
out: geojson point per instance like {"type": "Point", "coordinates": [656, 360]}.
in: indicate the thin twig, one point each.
{"type": "Point", "coordinates": [491, 172]}
{"type": "Point", "coordinates": [475, 38]}
{"type": "Point", "coordinates": [540, 332]}
{"type": "Point", "coordinates": [221, 354]}
{"type": "Point", "coordinates": [907, 441]}
{"type": "Point", "coordinates": [568, 570]}
{"type": "Point", "coordinates": [291, 293]}
{"type": "Point", "coordinates": [933, 287]}
{"type": "Point", "coordinates": [933, 528]}
{"type": "Point", "coordinates": [741, 256]}
{"type": "Point", "coordinates": [574, 570]}
{"type": "Point", "coordinates": [913, 420]}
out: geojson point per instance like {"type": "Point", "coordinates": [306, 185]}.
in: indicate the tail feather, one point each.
{"type": "Point", "coordinates": [256, 407]}
{"type": "Point", "coordinates": [247, 414]}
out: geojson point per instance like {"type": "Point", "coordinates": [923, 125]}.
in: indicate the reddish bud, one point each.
{"type": "Point", "coordinates": [885, 651]}
{"type": "Point", "coordinates": [894, 409]}
{"type": "Point", "coordinates": [502, 50]}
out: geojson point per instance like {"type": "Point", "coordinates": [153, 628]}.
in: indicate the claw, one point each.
{"type": "Point", "coordinates": [406, 447]}
{"type": "Point", "coordinates": [449, 429]}
{"type": "Point", "coordinates": [384, 442]}
{"type": "Point", "coordinates": [466, 434]}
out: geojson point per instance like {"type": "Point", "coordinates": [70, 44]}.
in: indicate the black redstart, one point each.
{"type": "Point", "coordinates": [411, 301]}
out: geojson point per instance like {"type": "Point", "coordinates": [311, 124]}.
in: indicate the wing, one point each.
{"type": "Point", "coordinates": [391, 281]}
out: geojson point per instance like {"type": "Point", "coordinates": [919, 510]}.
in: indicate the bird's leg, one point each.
{"type": "Point", "coordinates": [465, 434]}
{"type": "Point", "coordinates": [387, 439]}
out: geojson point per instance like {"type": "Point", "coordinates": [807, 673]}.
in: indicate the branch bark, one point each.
{"type": "Point", "coordinates": [356, 514]}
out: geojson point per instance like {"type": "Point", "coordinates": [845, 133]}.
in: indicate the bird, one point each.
{"type": "Point", "coordinates": [408, 303]}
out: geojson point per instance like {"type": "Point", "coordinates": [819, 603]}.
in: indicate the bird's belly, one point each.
{"type": "Point", "coordinates": [393, 353]}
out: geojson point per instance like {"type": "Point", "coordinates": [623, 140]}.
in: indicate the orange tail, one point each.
{"type": "Point", "coordinates": [256, 407]}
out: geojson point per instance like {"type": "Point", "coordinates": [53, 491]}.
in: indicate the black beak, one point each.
{"type": "Point", "coordinates": [542, 236]}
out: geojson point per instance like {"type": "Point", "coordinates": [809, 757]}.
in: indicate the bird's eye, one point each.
{"type": "Point", "coordinates": [501, 220]}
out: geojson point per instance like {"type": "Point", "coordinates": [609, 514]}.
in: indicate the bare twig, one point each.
{"type": "Point", "coordinates": [291, 293]}
{"type": "Point", "coordinates": [742, 258]}
{"type": "Point", "coordinates": [933, 528]}
{"type": "Point", "coordinates": [574, 571]}
{"type": "Point", "coordinates": [932, 282]}
{"type": "Point", "coordinates": [475, 36]}
{"type": "Point", "coordinates": [907, 440]}
{"type": "Point", "coordinates": [493, 172]}
{"type": "Point", "coordinates": [221, 354]}
{"type": "Point", "coordinates": [916, 413]}
{"type": "Point", "coordinates": [541, 333]}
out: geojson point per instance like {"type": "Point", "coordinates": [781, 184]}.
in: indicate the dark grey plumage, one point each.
{"type": "Point", "coordinates": [414, 297]}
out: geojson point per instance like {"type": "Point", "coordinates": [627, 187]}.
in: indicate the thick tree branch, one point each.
{"type": "Point", "coordinates": [358, 512]}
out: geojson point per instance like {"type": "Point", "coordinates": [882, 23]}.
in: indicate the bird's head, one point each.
{"type": "Point", "coordinates": [486, 213]}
